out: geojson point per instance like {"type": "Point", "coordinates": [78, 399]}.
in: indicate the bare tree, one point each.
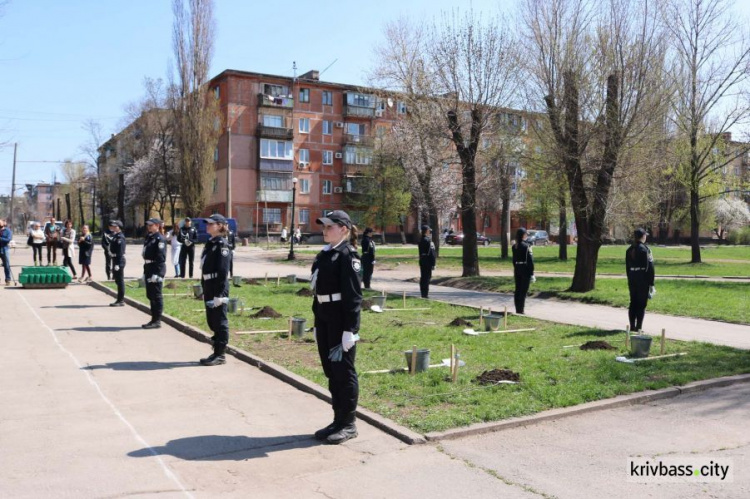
{"type": "Point", "coordinates": [195, 114]}
{"type": "Point", "coordinates": [710, 72]}
{"type": "Point", "coordinates": [599, 72]}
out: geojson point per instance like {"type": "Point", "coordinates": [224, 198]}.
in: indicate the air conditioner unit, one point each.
{"type": "Point", "coordinates": [338, 190]}
{"type": "Point", "coordinates": [338, 155]}
{"type": "Point", "coordinates": [338, 124]}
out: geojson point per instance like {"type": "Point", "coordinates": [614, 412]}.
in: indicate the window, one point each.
{"type": "Point", "coordinates": [327, 157]}
{"type": "Point", "coordinates": [275, 182]}
{"type": "Point", "coordinates": [304, 156]}
{"type": "Point", "coordinates": [401, 107]}
{"type": "Point", "coordinates": [272, 215]}
{"type": "Point", "coordinates": [327, 187]}
{"type": "Point", "coordinates": [216, 92]}
{"type": "Point", "coordinates": [357, 156]}
{"type": "Point", "coordinates": [273, 121]}
{"type": "Point", "coordinates": [274, 90]}
{"type": "Point", "coordinates": [355, 128]}
{"type": "Point", "coordinates": [327, 98]}
{"type": "Point", "coordinates": [361, 100]}
{"type": "Point", "coordinates": [304, 95]}
{"type": "Point", "coordinates": [304, 217]}
{"type": "Point", "coordinates": [327, 127]}
{"type": "Point", "coordinates": [304, 186]}
{"type": "Point", "coordinates": [380, 131]}
{"type": "Point", "coordinates": [304, 125]}
{"type": "Point", "coordinates": [216, 185]}
{"type": "Point", "coordinates": [216, 154]}
{"type": "Point", "coordinates": [276, 149]}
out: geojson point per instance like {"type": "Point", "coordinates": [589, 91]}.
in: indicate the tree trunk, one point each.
{"type": "Point", "coordinates": [80, 205]}
{"type": "Point", "coordinates": [67, 205]}
{"type": "Point", "coordinates": [562, 252]}
{"type": "Point", "coordinates": [584, 278]}
{"type": "Point", "coordinates": [432, 218]}
{"type": "Point", "coordinates": [695, 226]}
{"type": "Point", "coordinates": [504, 229]}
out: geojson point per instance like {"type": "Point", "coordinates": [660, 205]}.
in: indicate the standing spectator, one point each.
{"type": "Point", "coordinates": [106, 240]}
{"type": "Point", "coordinates": [427, 260]}
{"type": "Point", "coordinates": [284, 233]}
{"type": "Point", "coordinates": [639, 266]}
{"type": "Point", "coordinates": [297, 236]}
{"type": "Point", "coordinates": [368, 257]}
{"type": "Point", "coordinates": [187, 236]}
{"type": "Point", "coordinates": [52, 237]}
{"type": "Point", "coordinates": [85, 248]}
{"type": "Point", "coordinates": [37, 242]}
{"type": "Point", "coordinates": [68, 238]}
{"type": "Point", "coordinates": [5, 237]}
{"type": "Point", "coordinates": [523, 269]}
{"type": "Point", "coordinates": [172, 240]}
{"type": "Point", "coordinates": [117, 251]}
{"type": "Point", "coordinates": [232, 243]}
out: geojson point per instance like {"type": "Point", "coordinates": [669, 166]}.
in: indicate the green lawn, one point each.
{"type": "Point", "coordinates": [717, 260]}
{"type": "Point", "coordinates": [725, 301]}
{"type": "Point", "coordinates": [551, 376]}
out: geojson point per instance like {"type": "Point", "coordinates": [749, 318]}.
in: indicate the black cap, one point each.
{"type": "Point", "coordinates": [639, 233]}
{"type": "Point", "coordinates": [187, 219]}
{"type": "Point", "coordinates": [152, 221]}
{"type": "Point", "coordinates": [425, 227]}
{"type": "Point", "coordinates": [368, 230]}
{"type": "Point", "coordinates": [520, 233]}
{"type": "Point", "coordinates": [215, 219]}
{"type": "Point", "coordinates": [115, 223]}
{"type": "Point", "coordinates": [336, 217]}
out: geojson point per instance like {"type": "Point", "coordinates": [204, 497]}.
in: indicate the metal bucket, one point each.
{"type": "Point", "coordinates": [237, 280]}
{"type": "Point", "coordinates": [492, 322]}
{"type": "Point", "coordinates": [142, 282]}
{"type": "Point", "coordinates": [298, 327]}
{"type": "Point", "coordinates": [291, 278]}
{"type": "Point", "coordinates": [640, 345]}
{"type": "Point", "coordinates": [378, 300]}
{"type": "Point", "coordinates": [423, 359]}
{"type": "Point", "coordinates": [234, 305]}
{"type": "Point", "coordinates": [197, 290]}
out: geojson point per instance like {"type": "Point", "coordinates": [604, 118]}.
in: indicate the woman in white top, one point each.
{"type": "Point", "coordinates": [172, 239]}
{"type": "Point", "coordinates": [37, 241]}
{"type": "Point", "coordinates": [68, 238]}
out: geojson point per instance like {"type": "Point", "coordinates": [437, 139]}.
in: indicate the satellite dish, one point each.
{"type": "Point", "coordinates": [390, 102]}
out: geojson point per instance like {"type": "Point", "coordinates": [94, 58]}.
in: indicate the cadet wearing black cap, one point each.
{"type": "Point", "coordinates": [368, 257]}
{"type": "Point", "coordinates": [639, 266]}
{"type": "Point", "coordinates": [117, 255]}
{"type": "Point", "coordinates": [232, 243]}
{"type": "Point", "coordinates": [523, 269]}
{"type": "Point", "coordinates": [427, 260]}
{"type": "Point", "coordinates": [215, 262]}
{"type": "Point", "coordinates": [338, 298]}
{"type": "Point", "coordinates": [106, 240]}
{"type": "Point", "coordinates": [187, 236]}
{"type": "Point", "coordinates": [154, 267]}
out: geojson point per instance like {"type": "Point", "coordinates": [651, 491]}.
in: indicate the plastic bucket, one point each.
{"type": "Point", "coordinates": [423, 359]}
{"type": "Point", "coordinates": [197, 290]}
{"type": "Point", "coordinates": [142, 282]}
{"type": "Point", "coordinates": [378, 300]}
{"type": "Point", "coordinates": [234, 305]}
{"type": "Point", "coordinates": [492, 322]}
{"type": "Point", "coordinates": [298, 327]}
{"type": "Point", "coordinates": [640, 345]}
{"type": "Point", "coordinates": [291, 278]}
{"type": "Point", "coordinates": [237, 280]}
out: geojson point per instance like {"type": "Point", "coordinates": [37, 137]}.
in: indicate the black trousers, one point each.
{"type": "Point", "coordinates": [425, 274]}
{"type": "Point", "coordinates": [367, 269]}
{"type": "Point", "coordinates": [37, 248]}
{"type": "Point", "coordinates": [108, 264]}
{"type": "Point", "coordinates": [51, 250]}
{"type": "Point", "coordinates": [67, 262]}
{"type": "Point", "coordinates": [119, 277]}
{"type": "Point", "coordinates": [522, 288]}
{"type": "Point", "coordinates": [343, 382]}
{"type": "Point", "coordinates": [154, 295]}
{"type": "Point", "coordinates": [187, 253]}
{"type": "Point", "coordinates": [637, 307]}
{"type": "Point", "coordinates": [219, 325]}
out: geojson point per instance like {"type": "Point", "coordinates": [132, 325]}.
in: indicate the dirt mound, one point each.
{"type": "Point", "coordinates": [304, 292]}
{"type": "Point", "coordinates": [251, 282]}
{"type": "Point", "coordinates": [597, 345]}
{"type": "Point", "coordinates": [171, 285]}
{"type": "Point", "coordinates": [366, 304]}
{"type": "Point", "coordinates": [460, 322]}
{"type": "Point", "coordinates": [492, 377]}
{"type": "Point", "coordinates": [267, 312]}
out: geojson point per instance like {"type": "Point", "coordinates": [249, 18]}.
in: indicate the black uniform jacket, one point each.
{"type": "Point", "coordinates": [639, 264]}
{"type": "Point", "coordinates": [188, 236]}
{"type": "Point", "coordinates": [368, 249]}
{"type": "Point", "coordinates": [215, 268]}
{"type": "Point", "coordinates": [339, 272]}
{"type": "Point", "coordinates": [523, 259]}
{"type": "Point", "coordinates": [106, 240]}
{"type": "Point", "coordinates": [232, 240]}
{"type": "Point", "coordinates": [154, 255]}
{"type": "Point", "coordinates": [427, 255]}
{"type": "Point", "coordinates": [117, 249]}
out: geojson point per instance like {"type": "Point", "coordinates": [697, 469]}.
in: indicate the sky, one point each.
{"type": "Point", "coordinates": [65, 62]}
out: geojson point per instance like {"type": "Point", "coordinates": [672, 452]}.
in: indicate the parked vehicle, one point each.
{"type": "Point", "coordinates": [454, 239]}
{"type": "Point", "coordinates": [200, 226]}
{"type": "Point", "coordinates": [537, 237]}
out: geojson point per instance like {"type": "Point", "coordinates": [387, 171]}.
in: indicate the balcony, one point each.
{"type": "Point", "coordinates": [359, 112]}
{"type": "Point", "coordinates": [272, 132]}
{"type": "Point", "coordinates": [274, 196]}
{"type": "Point", "coordinates": [275, 101]}
{"type": "Point", "coordinates": [359, 140]}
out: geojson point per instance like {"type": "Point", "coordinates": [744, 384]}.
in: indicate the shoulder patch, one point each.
{"type": "Point", "coordinates": [356, 265]}
{"type": "Point", "coordinates": [161, 245]}
{"type": "Point", "coordinates": [225, 252]}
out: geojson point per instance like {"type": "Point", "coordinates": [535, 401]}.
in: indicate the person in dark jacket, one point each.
{"type": "Point", "coordinates": [337, 305]}
{"type": "Point", "coordinates": [154, 268]}
{"type": "Point", "coordinates": [85, 248]}
{"type": "Point", "coordinates": [215, 262]}
{"type": "Point", "coordinates": [117, 253]}
{"type": "Point", "coordinates": [6, 235]}
{"type": "Point", "coordinates": [639, 267]}
{"type": "Point", "coordinates": [523, 269]}
{"type": "Point", "coordinates": [232, 243]}
{"type": "Point", "coordinates": [187, 236]}
{"type": "Point", "coordinates": [106, 240]}
{"type": "Point", "coordinates": [427, 260]}
{"type": "Point", "coordinates": [368, 257]}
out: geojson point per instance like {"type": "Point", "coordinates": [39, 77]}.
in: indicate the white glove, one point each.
{"type": "Point", "coordinates": [218, 301]}
{"type": "Point", "coordinates": [117, 268]}
{"type": "Point", "coordinates": [349, 340]}
{"type": "Point", "coordinates": [651, 291]}
{"type": "Point", "coordinates": [533, 278]}
{"type": "Point", "coordinates": [153, 278]}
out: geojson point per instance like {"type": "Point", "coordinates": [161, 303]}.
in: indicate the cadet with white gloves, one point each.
{"type": "Point", "coordinates": [639, 267]}
{"type": "Point", "coordinates": [215, 262]}
{"type": "Point", "coordinates": [154, 268]}
{"type": "Point", "coordinates": [117, 258]}
{"type": "Point", "coordinates": [337, 305]}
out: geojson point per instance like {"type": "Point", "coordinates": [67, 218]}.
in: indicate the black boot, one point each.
{"type": "Point", "coordinates": [215, 359]}
{"type": "Point", "coordinates": [152, 325]}
{"type": "Point", "coordinates": [347, 431]}
{"type": "Point", "coordinates": [329, 430]}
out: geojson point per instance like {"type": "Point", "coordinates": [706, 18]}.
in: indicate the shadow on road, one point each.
{"type": "Point", "coordinates": [227, 448]}
{"type": "Point", "coordinates": [141, 366]}
{"type": "Point", "coordinates": [102, 329]}
{"type": "Point", "coordinates": [74, 306]}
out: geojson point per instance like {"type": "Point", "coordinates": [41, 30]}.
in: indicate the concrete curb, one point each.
{"type": "Point", "coordinates": [384, 424]}
{"type": "Point", "coordinates": [599, 405]}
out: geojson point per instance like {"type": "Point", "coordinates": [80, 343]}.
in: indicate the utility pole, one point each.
{"type": "Point", "coordinates": [229, 172]}
{"type": "Point", "coordinates": [13, 185]}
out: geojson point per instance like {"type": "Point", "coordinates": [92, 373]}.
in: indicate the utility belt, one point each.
{"type": "Point", "coordinates": [208, 277]}
{"type": "Point", "coordinates": [150, 261]}
{"type": "Point", "coordinates": [636, 269]}
{"type": "Point", "coordinates": [328, 298]}
{"type": "Point", "coordinates": [519, 263]}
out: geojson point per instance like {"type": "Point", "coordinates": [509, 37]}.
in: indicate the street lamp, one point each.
{"type": "Point", "coordinates": [294, 197]}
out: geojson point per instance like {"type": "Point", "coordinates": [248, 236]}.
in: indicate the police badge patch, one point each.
{"type": "Point", "coordinates": [225, 252]}
{"type": "Point", "coordinates": [161, 245]}
{"type": "Point", "coordinates": [356, 265]}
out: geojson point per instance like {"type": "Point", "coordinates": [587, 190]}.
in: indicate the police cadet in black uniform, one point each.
{"type": "Point", "coordinates": [523, 268]}
{"type": "Point", "coordinates": [427, 260]}
{"type": "Point", "coordinates": [117, 254]}
{"type": "Point", "coordinates": [187, 236]}
{"type": "Point", "coordinates": [106, 240]}
{"type": "Point", "coordinates": [368, 257]}
{"type": "Point", "coordinates": [215, 262]}
{"type": "Point", "coordinates": [232, 243]}
{"type": "Point", "coordinates": [639, 266]}
{"type": "Point", "coordinates": [337, 304]}
{"type": "Point", "coordinates": [154, 267]}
